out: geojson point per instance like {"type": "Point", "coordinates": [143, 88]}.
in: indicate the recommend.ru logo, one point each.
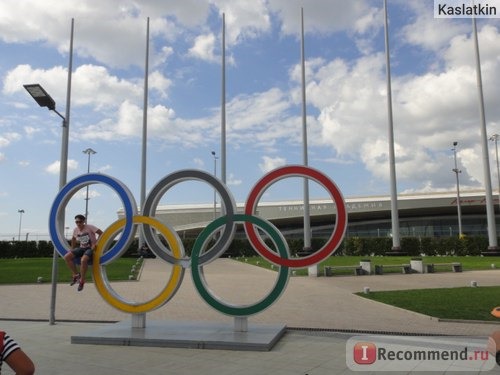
{"type": "Point", "coordinates": [419, 353]}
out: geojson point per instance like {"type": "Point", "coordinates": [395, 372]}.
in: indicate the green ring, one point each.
{"type": "Point", "coordinates": [200, 282]}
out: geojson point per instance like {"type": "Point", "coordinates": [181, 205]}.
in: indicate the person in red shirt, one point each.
{"type": "Point", "coordinates": [83, 244]}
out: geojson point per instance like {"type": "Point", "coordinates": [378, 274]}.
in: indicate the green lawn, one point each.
{"type": "Point", "coordinates": [450, 303]}
{"type": "Point", "coordinates": [27, 270]}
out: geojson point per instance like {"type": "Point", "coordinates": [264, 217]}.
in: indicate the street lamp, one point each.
{"type": "Point", "coordinates": [215, 175]}
{"type": "Point", "coordinates": [89, 152]}
{"type": "Point", "coordinates": [495, 137]}
{"type": "Point", "coordinates": [45, 100]}
{"type": "Point", "coordinates": [21, 212]}
{"type": "Point", "coordinates": [457, 171]}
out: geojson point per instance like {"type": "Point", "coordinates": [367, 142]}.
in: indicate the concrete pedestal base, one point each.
{"type": "Point", "coordinates": [195, 335]}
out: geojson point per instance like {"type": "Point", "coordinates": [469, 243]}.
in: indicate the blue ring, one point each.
{"type": "Point", "coordinates": [56, 222]}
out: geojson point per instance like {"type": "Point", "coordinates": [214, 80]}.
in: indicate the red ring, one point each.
{"type": "Point", "coordinates": [340, 225]}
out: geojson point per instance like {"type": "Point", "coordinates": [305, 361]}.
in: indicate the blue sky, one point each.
{"type": "Point", "coordinates": [435, 98]}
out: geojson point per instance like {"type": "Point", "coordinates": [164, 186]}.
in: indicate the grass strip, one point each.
{"type": "Point", "coordinates": [28, 270]}
{"type": "Point", "coordinates": [465, 303]}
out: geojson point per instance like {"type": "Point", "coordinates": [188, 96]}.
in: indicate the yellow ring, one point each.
{"type": "Point", "coordinates": [100, 278]}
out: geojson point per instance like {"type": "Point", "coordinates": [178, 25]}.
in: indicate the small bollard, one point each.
{"type": "Point", "coordinates": [366, 290]}
{"type": "Point", "coordinates": [328, 271]}
{"type": "Point", "coordinates": [473, 284]}
{"type": "Point", "coordinates": [39, 279]}
{"type": "Point", "coordinates": [493, 266]}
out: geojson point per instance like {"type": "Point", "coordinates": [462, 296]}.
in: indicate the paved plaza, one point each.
{"type": "Point", "coordinates": [320, 313]}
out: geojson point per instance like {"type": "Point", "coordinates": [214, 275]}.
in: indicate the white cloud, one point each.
{"type": "Point", "coordinates": [345, 96]}
{"type": "Point", "coordinates": [157, 81]}
{"type": "Point", "coordinates": [233, 181]}
{"type": "Point", "coordinates": [82, 193]}
{"type": "Point", "coordinates": [56, 166]}
{"type": "Point", "coordinates": [91, 85]}
{"type": "Point", "coordinates": [203, 47]}
{"type": "Point", "coordinates": [261, 119]}
{"type": "Point", "coordinates": [326, 16]}
{"type": "Point", "coordinates": [429, 32]}
{"type": "Point", "coordinates": [112, 32]}
{"type": "Point", "coordinates": [50, 80]}
{"type": "Point", "coordinates": [461, 49]}
{"type": "Point", "coordinates": [199, 162]}
{"type": "Point", "coordinates": [430, 111]}
{"type": "Point", "coordinates": [31, 131]}
{"type": "Point", "coordinates": [7, 138]}
{"type": "Point", "coordinates": [244, 20]}
{"type": "Point", "coordinates": [104, 168]}
{"type": "Point", "coordinates": [270, 163]}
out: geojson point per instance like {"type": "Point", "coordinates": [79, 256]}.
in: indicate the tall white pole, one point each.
{"type": "Point", "coordinates": [396, 244]}
{"type": "Point", "coordinates": [144, 130]}
{"type": "Point", "coordinates": [307, 215]}
{"type": "Point", "coordinates": [223, 105]}
{"type": "Point", "coordinates": [63, 173]}
{"type": "Point", "coordinates": [490, 211]}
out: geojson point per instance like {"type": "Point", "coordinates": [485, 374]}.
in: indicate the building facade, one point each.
{"type": "Point", "coordinates": [423, 215]}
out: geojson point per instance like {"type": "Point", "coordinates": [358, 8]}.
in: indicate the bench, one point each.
{"type": "Point", "coordinates": [405, 268]}
{"type": "Point", "coordinates": [358, 270]}
{"type": "Point", "coordinates": [455, 266]}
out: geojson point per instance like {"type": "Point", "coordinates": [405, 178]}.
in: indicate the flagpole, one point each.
{"type": "Point", "coordinates": [307, 250]}
{"type": "Point", "coordinates": [490, 210]}
{"type": "Point", "coordinates": [396, 244]}
{"type": "Point", "coordinates": [144, 128]}
{"type": "Point", "coordinates": [223, 103]}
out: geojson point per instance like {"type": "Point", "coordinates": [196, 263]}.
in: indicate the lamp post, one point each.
{"type": "Point", "coordinates": [215, 175]}
{"type": "Point", "coordinates": [89, 152]}
{"type": "Point", "coordinates": [457, 171]}
{"type": "Point", "coordinates": [21, 212]}
{"type": "Point", "coordinates": [494, 138]}
{"type": "Point", "coordinates": [45, 100]}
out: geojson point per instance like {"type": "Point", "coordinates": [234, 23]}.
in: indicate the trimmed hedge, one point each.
{"type": "Point", "coordinates": [358, 246]}
{"type": "Point", "coordinates": [414, 246]}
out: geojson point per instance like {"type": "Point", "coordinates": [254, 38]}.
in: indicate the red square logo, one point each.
{"type": "Point", "coordinates": [365, 353]}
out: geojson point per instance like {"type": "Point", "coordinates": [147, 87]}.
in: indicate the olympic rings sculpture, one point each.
{"type": "Point", "coordinates": [174, 252]}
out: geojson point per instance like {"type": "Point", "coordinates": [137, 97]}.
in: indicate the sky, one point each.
{"type": "Point", "coordinates": [434, 93]}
